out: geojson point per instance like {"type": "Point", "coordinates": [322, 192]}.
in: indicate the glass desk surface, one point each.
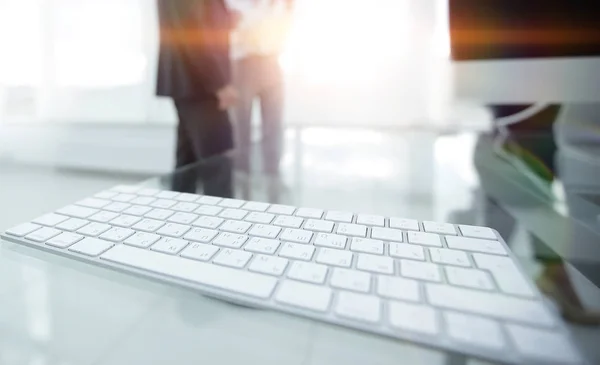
{"type": "Point", "coordinates": [59, 311]}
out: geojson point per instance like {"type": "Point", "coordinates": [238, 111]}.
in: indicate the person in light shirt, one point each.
{"type": "Point", "coordinates": [257, 41]}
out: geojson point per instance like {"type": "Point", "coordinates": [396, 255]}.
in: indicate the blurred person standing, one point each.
{"type": "Point", "coordinates": [257, 42]}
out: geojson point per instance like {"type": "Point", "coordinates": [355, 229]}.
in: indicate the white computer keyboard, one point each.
{"type": "Point", "coordinates": [455, 287]}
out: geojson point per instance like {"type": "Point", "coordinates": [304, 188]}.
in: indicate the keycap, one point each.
{"type": "Point", "coordinates": [256, 206]}
{"type": "Point", "coordinates": [387, 234]}
{"type": "Point", "coordinates": [398, 288]}
{"type": "Point", "coordinates": [543, 345]}
{"type": "Point", "coordinates": [359, 307]}
{"type": "Point", "coordinates": [94, 229]}
{"type": "Point", "coordinates": [309, 213]}
{"type": "Point", "coordinates": [138, 210]}
{"type": "Point", "coordinates": [307, 271]}
{"type": "Point", "coordinates": [167, 195]}
{"type": "Point", "coordinates": [339, 216]}
{"type": "Point", "coordinates": [297, 251]}
{"type": "Point", "coordinates": [117, 207]}
{"type": "Point", "coordinates": [126, 188]}
{"type": "Point", "coordinates": [330, 256]}
{"type": "Point", "coordinates": [331, 240]}
{"type": "Point", "coordinates": [506, 274]}
{"type": "Point", "coordinates": [303, 295]}
{"type": "Point", "coordinates": [375, 263]}
{"type": "Point", "coordinates": [413, 317]}
{"type": "Point", "coordinates": [43, 234]}
{"type": "Point", "coordinates": [103, 216]}
{"type": "Point", "coordinates": [105, 195]}
{"type": "Point", "coordinates": [232, 258]}
{"type": "Point", "coordinates": [232, 203]}
{"type": "Point", "coordinates": [242, 282]}
{"type": "Point", "coordinates": [208, 210]}
{"type": "Point", "coordinates": [125, 220]}
{"type": "Point", "coordinates": [199, 251]}
{"type": "Point", "coordinates": [23, 229]}
{"type": "Point", "coordinates": [262, 218]}
{"type": "Point", "coordinates": [449, 257]}
{"type": "Point", "coordinates": [148, 225]}
{"type": "Point", "coordinates": [159, 214]}
{"type": "Point", "coordinates": [72, 224]}
{"type": "Point", "coordinates": [439, 228]}
{"type": "Point", "coordinates": [296, 235]}
{"type": "Point", "coordinates": [91, 246]}
{"type": "Point", "coordinates": [271, 265]}
{"type": "Point", "coordinates": [232, 240]}
{"type": "Point", "coordinates": [93, 203]}
{"type": "Point", "coordinates": [163, 203]}
{"type": "Point", "coordinates": [370, 220]}
{"type": "Point", "coordinates": [477, 232]}
{"type": "Point", "coordinates": [351, 280]}
{"type": "Point", "coordinates": [476, 245]}
{"type": "Point", "coordinates": [200, 235]}
{"type": "Point", "coordinates": [265, 230]}
{"type": "Point", "coordinates": [77, 211]}
{"type": "Point", "coordinates": [117, 234]}
{"type": "Point", "coordinates": [318, 225]}
{"type": "Point", "coordinates": [124, 198]}
{"type": "Point", "coordinates": [403, 223]}
{"type": "Point", "coordinates": [186, 197]}
{"type": "Point", "coordinates": [350, 229]}
{"type": "Point", "coordinates": [142, 239]}
{"type": "Point", "coordinates": [262, 245]}
{"type": "Point", "coordinates": [209, 222]}
{"type": "Point", "coordinates": [470, 278]}
{"type": "Point", "coordinates": [183, 218]}
{"type": "Point", "coordinates": [281, 209]}
{"type": "Point", "coordinates": [366, 245]}
{"type": "Point", "coordinates": [143, 200]}
{"type": "Point", "coordinates": [288, 221]}
{"type": "Point", "coordinates": [173, 230]}
{"type": "Point", "coordinates": [426, 239]}
{"type": "Point", "coordinates": [489, 304]}
{"type": "Point", "coordinates": [169, 245]}
{"type": "Point", "coordinates": [209, 200]}
{"type": "Point", "coordinates": [50, 220]}
{"type": "Point", "coordinates": [235, 226]}
{"type": "Point", "coordinates": [231, 213]}
{"type": "Point", "coordinates": [408, 251]}
{"type": "Point", "coordinates": [471, 329]}
{"type": "Point", "coordinates": [148, 192]}
{"type": "Point", "coordinates": [420, 270]}
{"type": "Point", "coordinates": [64, 240]}
{"type": "Point", "coordinates": [185, 207]}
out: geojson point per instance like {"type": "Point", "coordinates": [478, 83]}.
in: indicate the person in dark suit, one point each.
{"type": "Point", "coordinates": [194, 70]}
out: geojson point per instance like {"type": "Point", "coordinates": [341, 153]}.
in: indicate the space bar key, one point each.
{"type": "Point", "coordinates": [220, 277]}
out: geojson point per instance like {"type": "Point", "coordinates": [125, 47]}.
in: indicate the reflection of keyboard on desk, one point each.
{"type": "Point", "coordinates": [455, 287]}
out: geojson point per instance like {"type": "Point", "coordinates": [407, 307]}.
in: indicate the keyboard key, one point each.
{"type": "Point", "coordinates": [271, 265]}
{"type": "Point", "coordinates": [426, 239]}
{"type": "Point", "coordinates": [143, 200]}
{"type": "Point", "coordinates": [138, 210]}
{"type": "Point", "coordinates": [200, 235]}
{"type": "Point", "coordinates": [232, 258]}
{"type": "Point", "coordinates": [185, 207]}
{"type": "Point", "coordinates": [297, 251]}
{"type": "Point", "coordinates": [302, 295]}
{"type": "Point", "coordinates": [117, 234]}
{"type": "Point", "coordinates": [23, 229]}
{"type": "Point", "coordinates": [366, 245]}
{"type": "Point", "coordinates": [470, 278]}
{"type": "Point", "coordinates": [351, 280]}
{"type": "Point", "coordinates": [413, 317]}
{"type": "Point", "coordinates": [543, 345]}
{"type": "Point", "coordinates": [477, 232]}
{"type": "Point", "coordinates": [262, 218]}
{"type": "Point", "coordinates": [288, 221]}
{"type": "Point", "coordinates": [64, 240]}
{"type": "Point", "coordinates": [318, 225]}
{"type": "Point", "coordinates": [339, 216]}
{"type": "Point", "coordinates": [208, 210]}
{"type": "Point", "coordinates": [349, 229]}
{"type": "Point", "coordinates": [263, 230]}
{"type": "Point", "coordinates": [235, 226]}
{"type": "Point", "coordinates": [387, 234]}
{"type": "Point", "coordinates": [440, 228]}
{"type": "Point", "coordinates": [186, 197]}
{"type": "Point", "coordinates": [106, 195]}
{"type": "Point", "coordinates": [374, 263]}
{"type": "Point", "coordinates": [281, 209]}
{"type": "Point", "coordinates": [93, 203]}
{"type": "Point", "coordinates": [233, 214]}
{"type": "Point", "coordinates": [262, 245]}
{"type": "Point", "coordinates": [489, 304]}
{"type": "Point", "coordinates": [209, 200]}
{"type": "Point", "coordinates": [208, 222]}
{"type": "Point", "coordinates": [405, 224]}
{"type": "Point", "coordinates": [117, 207]}
{"type": "Point", "coordinates": [398, 288]}
{"type": "Point", "coordinates": [91, 246]}
{"type": "Point", "coordinates": [50, 220]}
{"type": "Point", "coordinates": [103, 216]}
{"type": "Point", "coordinates": [94, 229]}
{"type": "Point", "coordinates": [125, 220]}
{"type": "Point", "coordinates": [77, 211]}
{"type": "Point", "coordinates": [420, 270]}
{"type": "Point", "coordinates": [163, 203]}
{"type": "Point", "coordinates": [169, 246]}
{"type": "Point", "coordinates": [331, 240]}
{"type": "Point", "coordinates": [360, 307]}
{"type": "Point", "coordinates": [506, 274]}
{"type": "Point", "coordinates": [449, 257]}
{"type": "Point", "coordinates": [230, 240]}
{"type": "Point", "coordinates": [330, 256]}
{"type": "Point", "coordinates": [309, 213]}
{"type": "Point", "coordinates": [309, 272]}
{"type": "Point", "coordinates": [476, 330]}
{"type": "Point", "coordinates": [142, 239]}
{"type": "Point", "coordinates": [370, 220]}
{"type": "Point", "coordinates": [243, 282]}
{"type": "Point", "coordinates": [199, 251]}
{"type": "Point", "coordinates": [232, 203]}
{"type": "Point", "coordinates": [72, 224]}
{"type": "Point", "coordinates": [173, 230]}
{"type": "Point", "coordinates": [183, 218]}
{"type": "Point", "coordinates": [124, 198]}
{"type": "Point", "coordinates": [167, 195]}
{"type": "Point", "coordinates": [407, 251]}
{"type": "Point", "coordinates": [476, 245]}
{"type": "Point", "coordinates": [256, 207]}
{"type": "Point", "coordinates": [148, 192]}
{"type": "Point", "coordinates": [296, 235]}
{"type": "Point", "coordinates": [43, 234]}
{"type": "Point", "coordinates": [160, 214]}
{"type": "Point", "coordinates": [148, 225]}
